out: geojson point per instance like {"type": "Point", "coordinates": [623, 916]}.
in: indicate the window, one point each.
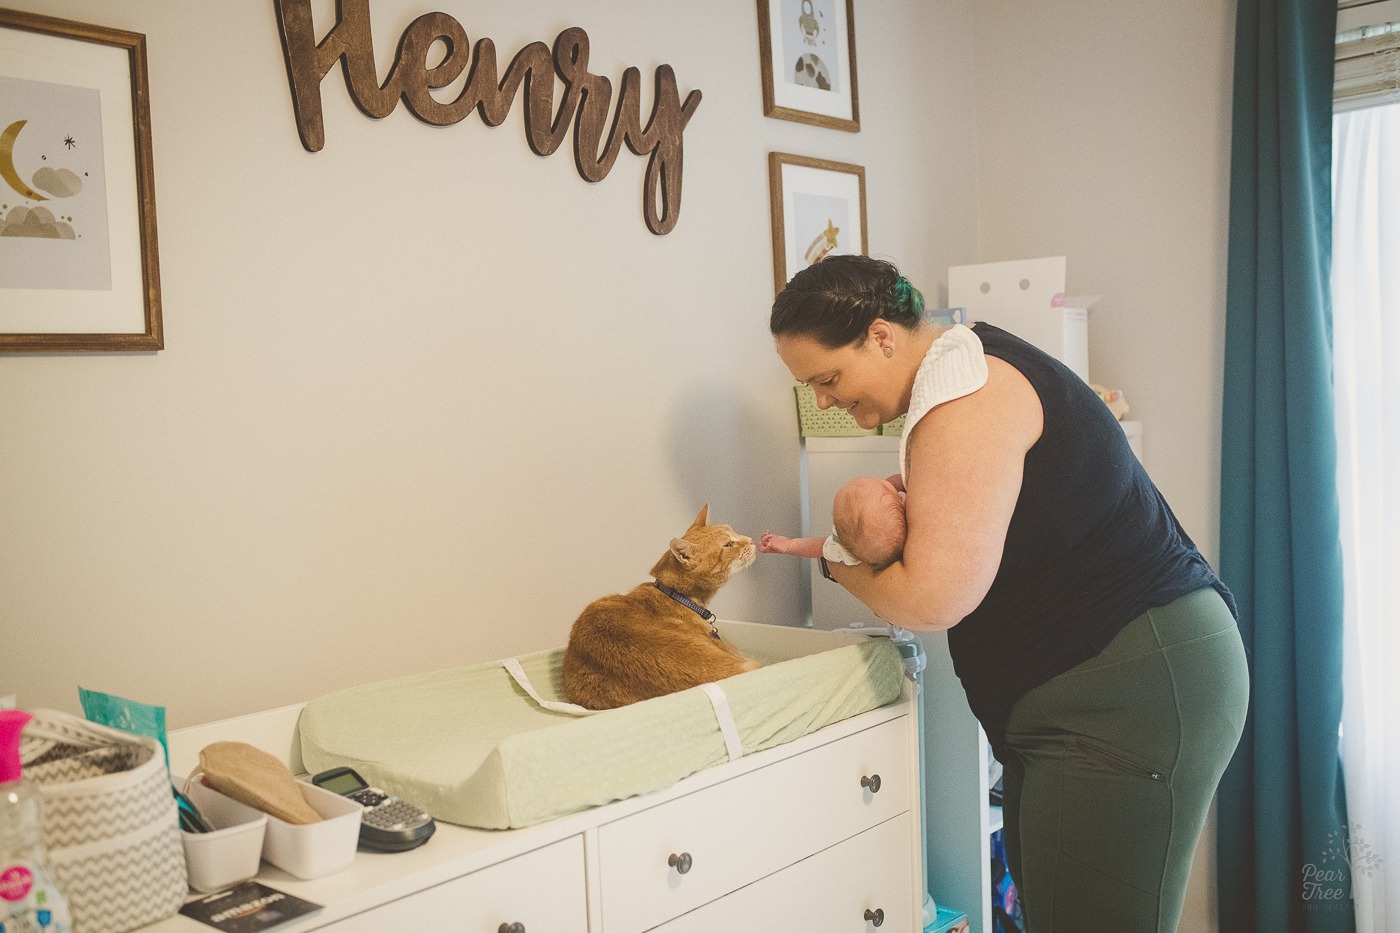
{"type": "Point", "coordinates": [1366, 357]}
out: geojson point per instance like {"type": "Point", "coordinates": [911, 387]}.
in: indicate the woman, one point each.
{"type": "Point", "coordinates": [1095, 644]}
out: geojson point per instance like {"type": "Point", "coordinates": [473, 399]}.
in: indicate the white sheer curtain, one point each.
{"type": "Point", "coordinates": [1366, 328]}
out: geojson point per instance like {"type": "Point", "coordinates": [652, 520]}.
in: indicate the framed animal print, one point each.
{"type": "Point", "coordinates": [808, 56]}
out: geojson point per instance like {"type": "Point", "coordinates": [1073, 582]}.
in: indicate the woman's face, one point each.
{"type": "Point", "coordinates": [856, 377]}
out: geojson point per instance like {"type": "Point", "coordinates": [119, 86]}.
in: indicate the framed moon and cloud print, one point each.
{"type": "Point", "coordinates": [79, 267]}
{"type": "Point", "coordinates": [808, 56]}
{"type": "Point", "coordinates": [818, 210]}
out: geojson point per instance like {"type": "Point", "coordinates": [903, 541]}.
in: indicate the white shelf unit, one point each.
{"type": "Point", "coordinates": [957, 847]}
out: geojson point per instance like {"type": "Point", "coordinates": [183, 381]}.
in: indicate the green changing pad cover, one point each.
{"type": "Point", "coordinates": [471, 747]}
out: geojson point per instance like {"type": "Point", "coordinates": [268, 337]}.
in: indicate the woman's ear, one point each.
{"type": "Point", "coordinates": [881, 333]}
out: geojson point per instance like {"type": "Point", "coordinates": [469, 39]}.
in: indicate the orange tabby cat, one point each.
{"type": "Point", "coordinates": [659, 639]}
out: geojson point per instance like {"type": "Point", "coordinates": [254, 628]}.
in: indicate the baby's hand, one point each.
{"type": "Point", "coordinates": [773, 544]}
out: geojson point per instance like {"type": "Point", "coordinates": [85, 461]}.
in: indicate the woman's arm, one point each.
{"type": "Point", "coordinates": [965, 463]}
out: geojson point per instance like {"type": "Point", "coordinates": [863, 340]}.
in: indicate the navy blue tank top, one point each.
{"type": "Point", "coordinates": [1091, 546]}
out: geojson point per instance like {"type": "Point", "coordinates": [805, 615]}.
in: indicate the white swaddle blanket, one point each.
{"type": "Point", "coordinates": [953, 367]}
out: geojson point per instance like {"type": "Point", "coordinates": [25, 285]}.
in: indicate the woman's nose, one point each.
{"type": "Point", "coordinates": [824, 401]}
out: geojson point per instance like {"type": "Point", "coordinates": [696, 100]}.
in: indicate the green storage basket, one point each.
{"type": "Point", "coordinates": [833, 422]}
{"type": "Point", "coordinates": [894, 428]}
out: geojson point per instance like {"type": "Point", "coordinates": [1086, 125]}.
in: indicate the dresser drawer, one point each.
{"type": "Point", "coordinates": [732, 834]}
{"type": "Point", "coordinates": [541, 890]}
{"type": "Point", "coordinates": [844, 889]}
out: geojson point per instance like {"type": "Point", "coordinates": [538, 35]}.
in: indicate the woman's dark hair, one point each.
{"type": "Point", "coordinates": [835, 300]}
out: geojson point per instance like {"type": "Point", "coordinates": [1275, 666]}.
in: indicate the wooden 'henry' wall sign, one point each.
{"type": "Point", "coordinates": [486, 90]}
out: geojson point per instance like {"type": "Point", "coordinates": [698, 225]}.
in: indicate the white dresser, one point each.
{"type": "Point", "coordinates": [817, 835]}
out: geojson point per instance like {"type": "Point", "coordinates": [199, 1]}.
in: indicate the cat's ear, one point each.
{"type": "Point", "coordinates": [702, 519]}
{"type": "Point", "coordinates": [683, 551]}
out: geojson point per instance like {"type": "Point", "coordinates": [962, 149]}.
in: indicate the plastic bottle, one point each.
{"type": "Point", "coordinates": [29, 900]}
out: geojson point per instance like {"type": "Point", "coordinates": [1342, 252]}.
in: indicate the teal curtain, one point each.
{"type": "Point", "coordinates": [1281, 806]}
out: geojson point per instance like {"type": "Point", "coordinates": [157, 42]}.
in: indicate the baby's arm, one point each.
{"type": "Point", "coordinates": [797, 547]}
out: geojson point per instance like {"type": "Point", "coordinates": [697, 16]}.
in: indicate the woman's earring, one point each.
{"type": "Point", "coordinates": [889, 351]}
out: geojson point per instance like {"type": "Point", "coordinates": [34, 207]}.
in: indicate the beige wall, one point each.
{"type": "Point", "coordinates": [425, 393]}
{"type": "Point", "coordinates": [1104, 135]}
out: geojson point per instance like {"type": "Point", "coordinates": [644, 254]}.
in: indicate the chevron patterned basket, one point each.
{"type": "Point", "coordinates": [110, 821]}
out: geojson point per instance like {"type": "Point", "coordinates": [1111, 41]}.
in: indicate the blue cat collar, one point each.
{"type": "Point", "coordinates": [692, 605]}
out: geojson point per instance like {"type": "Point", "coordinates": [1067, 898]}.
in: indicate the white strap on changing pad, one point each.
{"type": "Point", "coordinates": [517, 672]}
{"type": "Point", "coordinates": [732, 743]}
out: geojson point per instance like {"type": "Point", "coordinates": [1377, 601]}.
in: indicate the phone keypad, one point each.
{"type": "Point", "coordinates": [386, 812]}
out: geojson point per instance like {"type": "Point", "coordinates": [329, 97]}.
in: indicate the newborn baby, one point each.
{"type": "Point", "coordinates": [869, 517]}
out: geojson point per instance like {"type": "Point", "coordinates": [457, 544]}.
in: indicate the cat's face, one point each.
{"type": "Point", "coordinates": [710, 554]}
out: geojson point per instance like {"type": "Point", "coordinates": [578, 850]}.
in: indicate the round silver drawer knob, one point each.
{"type": "Point", "coordinates": [681, 863]}
{"type": "Point", "coordinates": [516, 928]}
{"type": "Point", "coordinates": [875, 917]}
{"type": "Point", "coordinates": [872, 782]}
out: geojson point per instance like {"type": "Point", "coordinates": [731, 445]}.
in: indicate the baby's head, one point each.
{"type": "Point", "coordinates": [869, 517]}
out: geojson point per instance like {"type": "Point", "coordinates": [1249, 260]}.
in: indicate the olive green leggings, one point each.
{"type": "Point", "coordinates": [1112, 766]}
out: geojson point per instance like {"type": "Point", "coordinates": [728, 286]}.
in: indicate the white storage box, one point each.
{"type": "Point", "coordinates": [1027, 298]}
{"type": "Point", "coordinates": [229, 854]}
{"type": "Point", "coordinates": [308, 851]}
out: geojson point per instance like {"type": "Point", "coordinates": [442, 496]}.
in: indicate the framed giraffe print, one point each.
{"type": "Point", "coordinates": [818, 210]}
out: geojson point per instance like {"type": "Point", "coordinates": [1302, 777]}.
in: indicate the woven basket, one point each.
{"type": "Point", "coordinates": [110, 821]}
{"type": "Point", "coordinates": [833, 422]}
{"type": "Point", "coordinates": [893, 428]}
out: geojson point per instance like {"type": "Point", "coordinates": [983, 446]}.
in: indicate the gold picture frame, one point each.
{"type": "Point", "coordinates": [79, 264]}
{"type": "Point", "coordinates": [813, 45]}
{"type": "Point", "coordinates": [817, 208]}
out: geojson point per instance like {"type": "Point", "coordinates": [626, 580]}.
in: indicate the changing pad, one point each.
{"type": "Point", "coordinates": [469, 746]}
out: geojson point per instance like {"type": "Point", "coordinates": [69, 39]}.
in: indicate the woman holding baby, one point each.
{"type": "Point", "coordinates": [1096, 645]}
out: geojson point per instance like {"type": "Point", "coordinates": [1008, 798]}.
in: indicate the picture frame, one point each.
{"type": "Point", "coordinates": [818, 209]}
{"type": "Point", "coordinates": [807, 52]}
{"type": "Point", "coordinates": [79, 263]}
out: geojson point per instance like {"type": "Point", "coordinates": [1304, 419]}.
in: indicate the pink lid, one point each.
{"type": "Point", "coordinates": [12, 723]}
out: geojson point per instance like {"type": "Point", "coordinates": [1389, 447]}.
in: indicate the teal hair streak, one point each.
{"type": "Point", "coordinates": [908, 297]}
